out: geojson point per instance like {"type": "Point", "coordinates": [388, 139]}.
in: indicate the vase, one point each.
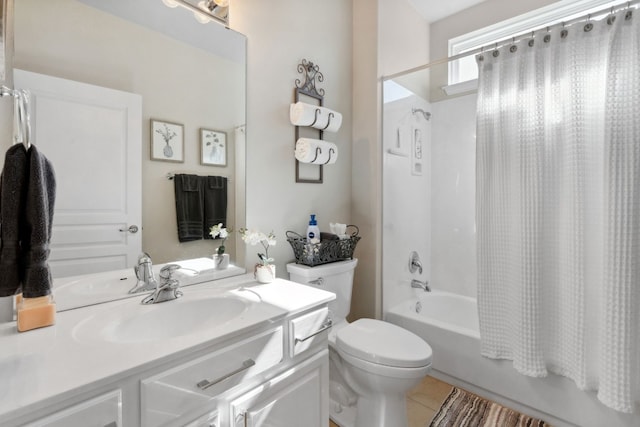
{"type": "Point", "coordinates": [221, 261]}
{"type": "Point", "coordinates": [265, 273]}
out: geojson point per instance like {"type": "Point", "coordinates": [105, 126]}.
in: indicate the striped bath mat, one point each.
{"type": "Point", "coordinates": [464, 409]}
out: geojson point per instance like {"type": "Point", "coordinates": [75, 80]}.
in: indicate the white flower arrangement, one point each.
{"type": "Point", "coordinates": [221, 232]}
{"type": "Point", "coordinates": [253, 237]}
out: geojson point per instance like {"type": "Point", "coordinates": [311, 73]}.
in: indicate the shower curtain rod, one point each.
{"type": "Point", "coordinates": [602, 12]}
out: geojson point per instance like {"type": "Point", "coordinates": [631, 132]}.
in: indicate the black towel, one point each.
{"type": "Point", "coordinates": [215, 202]}
{"type": "Point", "coordinates": [41, 195]}
{"type": "Point", "coordinates": [189, 208]}
{"type": "Point", "coordinates": [13, 190]}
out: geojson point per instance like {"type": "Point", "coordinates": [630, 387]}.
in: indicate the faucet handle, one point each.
{"type": "Point", "coordinates": [414, 263]}
{"type": "Point", "coordinates": [167, 271]}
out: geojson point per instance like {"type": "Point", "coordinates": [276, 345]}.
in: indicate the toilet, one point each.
{"type": "Point", "coordinates": [372, 363]}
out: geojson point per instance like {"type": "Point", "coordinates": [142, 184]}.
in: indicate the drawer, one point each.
{"type": "Point", "coordinates": [308, 329]}
{"type": "Point", "coordinates": [208, 420]}
{"type": "Point", "coordinates": [101, 411]}
{"type": "Point", "coordinates": [189, 388]}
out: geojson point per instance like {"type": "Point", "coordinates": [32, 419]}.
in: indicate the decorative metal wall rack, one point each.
{"type": "Point", "coordinates": [311, 73]}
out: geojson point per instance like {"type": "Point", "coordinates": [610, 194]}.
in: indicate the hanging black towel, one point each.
{"type": "Point", "coordinates": [215, 202]}
{"type": "Point", "coordinates": [41, 196]}
{"type": "Point", "coordinates": [13, 186]}
{"type": "Point", "coordinates": [189, 208]}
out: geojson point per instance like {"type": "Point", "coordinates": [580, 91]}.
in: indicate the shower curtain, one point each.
{"type": "Point", "coordinates": [558, 205]}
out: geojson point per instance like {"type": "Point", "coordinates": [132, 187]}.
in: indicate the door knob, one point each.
{"type": "Point", "coordinates": [132, 229]}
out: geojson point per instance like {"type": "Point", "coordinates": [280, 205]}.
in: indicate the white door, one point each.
{"type": "Point", "coordinates": [92, 135]}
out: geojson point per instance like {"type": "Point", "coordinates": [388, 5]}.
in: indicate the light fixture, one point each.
{"type": "Point", "coordinates": [170, 3]}
{"type": "Point", "coordinates": [206, 10]}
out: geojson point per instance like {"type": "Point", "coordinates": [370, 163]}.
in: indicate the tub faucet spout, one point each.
{"type": "Point", "coordinates": [415, 283]}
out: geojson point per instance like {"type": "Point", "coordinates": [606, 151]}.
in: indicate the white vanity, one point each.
{"type": "Point", "coordinates": [227, 353]}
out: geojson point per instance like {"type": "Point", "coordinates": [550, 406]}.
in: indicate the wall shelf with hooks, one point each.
{"type": "Point", "coordinates": [312, 119]}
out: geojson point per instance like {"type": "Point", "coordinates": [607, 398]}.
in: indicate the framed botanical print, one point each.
{"type": "Point", "coordinates": [167, 141]}
{"type": "Point", "coordinates": [213, 147]}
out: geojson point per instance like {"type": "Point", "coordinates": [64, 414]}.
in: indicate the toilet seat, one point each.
{"type": "Point", "coordinates": [383, 343]}
{"type": "Point", "coordinates": [384, 370]}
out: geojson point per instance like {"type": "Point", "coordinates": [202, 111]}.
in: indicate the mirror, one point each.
{"type": "Point", "coordinates": [184, 71]}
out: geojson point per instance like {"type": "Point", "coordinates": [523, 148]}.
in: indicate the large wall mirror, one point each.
{"type": "Point", "coordinates": [185, 72]}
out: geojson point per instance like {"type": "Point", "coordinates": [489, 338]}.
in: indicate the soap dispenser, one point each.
{"type": "Point", "coordinates": [313, 232]}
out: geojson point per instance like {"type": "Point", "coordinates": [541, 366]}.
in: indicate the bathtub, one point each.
{"type": "Point", "coordinates": [449, 323]}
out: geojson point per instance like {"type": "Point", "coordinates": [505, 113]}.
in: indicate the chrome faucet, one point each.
{"type": "Point", "coordinates": [144, 273]}
{"type": "Point", "coordinates": [167, 290]}
{"type": "Point", "coordinates": [415, 283]}
{"type": "Point", "coordinates": [414, 263]}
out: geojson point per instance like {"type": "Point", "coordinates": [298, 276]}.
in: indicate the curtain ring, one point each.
{"type": "Point", "coordinates": [531, 42]}
{"type": "Point", "coordinates": [495, 52]}
{"type": "Point", "coordinates": [480, 55]}
{"type": "Point", "coordinates": [513, 47]}
{"type": "Point", "coordinates": [588, 26]}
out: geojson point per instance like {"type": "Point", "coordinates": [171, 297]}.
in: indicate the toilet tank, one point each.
{"type": "Point", "coordinates": [336, 277]}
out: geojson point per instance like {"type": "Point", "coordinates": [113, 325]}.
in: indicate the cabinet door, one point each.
{"type": "Point", "coordinates": [298, 397]}
{"type": "Point", "coordinates": [102, 411]}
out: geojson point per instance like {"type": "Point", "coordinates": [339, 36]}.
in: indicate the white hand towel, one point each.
{"type": "Point", "coordinates": [302, 114]}
{"type": "Point", "coordinates": [316, 151]}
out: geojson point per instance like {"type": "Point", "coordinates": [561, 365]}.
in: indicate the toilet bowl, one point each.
{"type": "Point", "coordinates": [372, 363]}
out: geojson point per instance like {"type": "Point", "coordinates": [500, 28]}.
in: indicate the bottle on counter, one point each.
{"type": "Point", "coordinates": [313, 232]}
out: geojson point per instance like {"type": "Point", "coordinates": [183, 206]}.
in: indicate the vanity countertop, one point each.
{"type": "Point", "coordinates": [48, 364]}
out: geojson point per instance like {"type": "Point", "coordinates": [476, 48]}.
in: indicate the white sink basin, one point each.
{"type": "Point", "coordinates": [135, 323]}
{"type": "Point", "coordinates": [89, 289]}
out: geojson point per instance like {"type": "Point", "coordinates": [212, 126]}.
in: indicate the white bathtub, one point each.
{"type": "Point", "coordinates": [449, 323]}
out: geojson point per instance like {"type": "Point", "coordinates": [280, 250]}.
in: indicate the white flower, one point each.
{"type": "Point", "coordinates": [253, 237]}
{"type": "Point", "coordinates": [217, 230]}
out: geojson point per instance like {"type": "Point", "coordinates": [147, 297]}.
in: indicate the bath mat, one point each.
{"type": "Point", "coordinates": [464, 409]}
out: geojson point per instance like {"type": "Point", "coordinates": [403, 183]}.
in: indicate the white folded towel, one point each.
{"type": "Point", "coordinates": [316, 151]}
{"type": "Point", "coordinates": [302, 114]}
{"type": "Point", "coordinates": [196, 266]}
{"type": "Point", "coordinates": [339, 230]}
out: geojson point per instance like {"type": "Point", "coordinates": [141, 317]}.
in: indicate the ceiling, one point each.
{"type": "Point", "coordinates": [434, 10]}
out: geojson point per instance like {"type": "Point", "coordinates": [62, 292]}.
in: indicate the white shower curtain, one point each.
{"type": "Point", "coordinates": [558, 206]}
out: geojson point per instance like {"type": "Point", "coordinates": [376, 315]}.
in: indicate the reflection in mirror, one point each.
{"type": "Point", "coordinates": [183, 72]}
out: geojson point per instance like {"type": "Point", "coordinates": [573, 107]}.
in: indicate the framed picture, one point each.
{"type": "Point", "coordinates": [167, 141]}
{"type": "Point", "coordinates": [213, 147]}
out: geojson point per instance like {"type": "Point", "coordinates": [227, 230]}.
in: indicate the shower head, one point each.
{"type": "Point", "coordinates": [425, 114]}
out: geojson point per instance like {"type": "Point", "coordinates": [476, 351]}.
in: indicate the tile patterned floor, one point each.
{"type": "Point", "coordinates": [423, 401]}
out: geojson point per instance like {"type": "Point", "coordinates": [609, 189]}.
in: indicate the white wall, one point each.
{"type": "Point", "coordinates": [453, 166]}
{"type": "Point", "coordinates": [6, 103]}
{"type": "Point", "coordinates": [407, 199]}
{"type": "Point", "coordinates": [365, 166]}
{"type": "Point", "coordinates": [403, 37]}
{"type": "Point", "coordinates": [281, 34]}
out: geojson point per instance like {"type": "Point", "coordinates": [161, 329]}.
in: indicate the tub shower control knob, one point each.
{"type": "Point", "coordinates": [414, 263]}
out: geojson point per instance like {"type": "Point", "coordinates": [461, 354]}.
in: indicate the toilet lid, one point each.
{"type": "Point", "coordinates": [383, 343]}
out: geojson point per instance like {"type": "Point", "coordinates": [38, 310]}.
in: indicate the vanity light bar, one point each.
{"type": "Point", "coordinates": [208, 16]}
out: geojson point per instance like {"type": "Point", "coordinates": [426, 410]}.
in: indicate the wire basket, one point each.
{"type": "Point", "coordinates": [324, 252]}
